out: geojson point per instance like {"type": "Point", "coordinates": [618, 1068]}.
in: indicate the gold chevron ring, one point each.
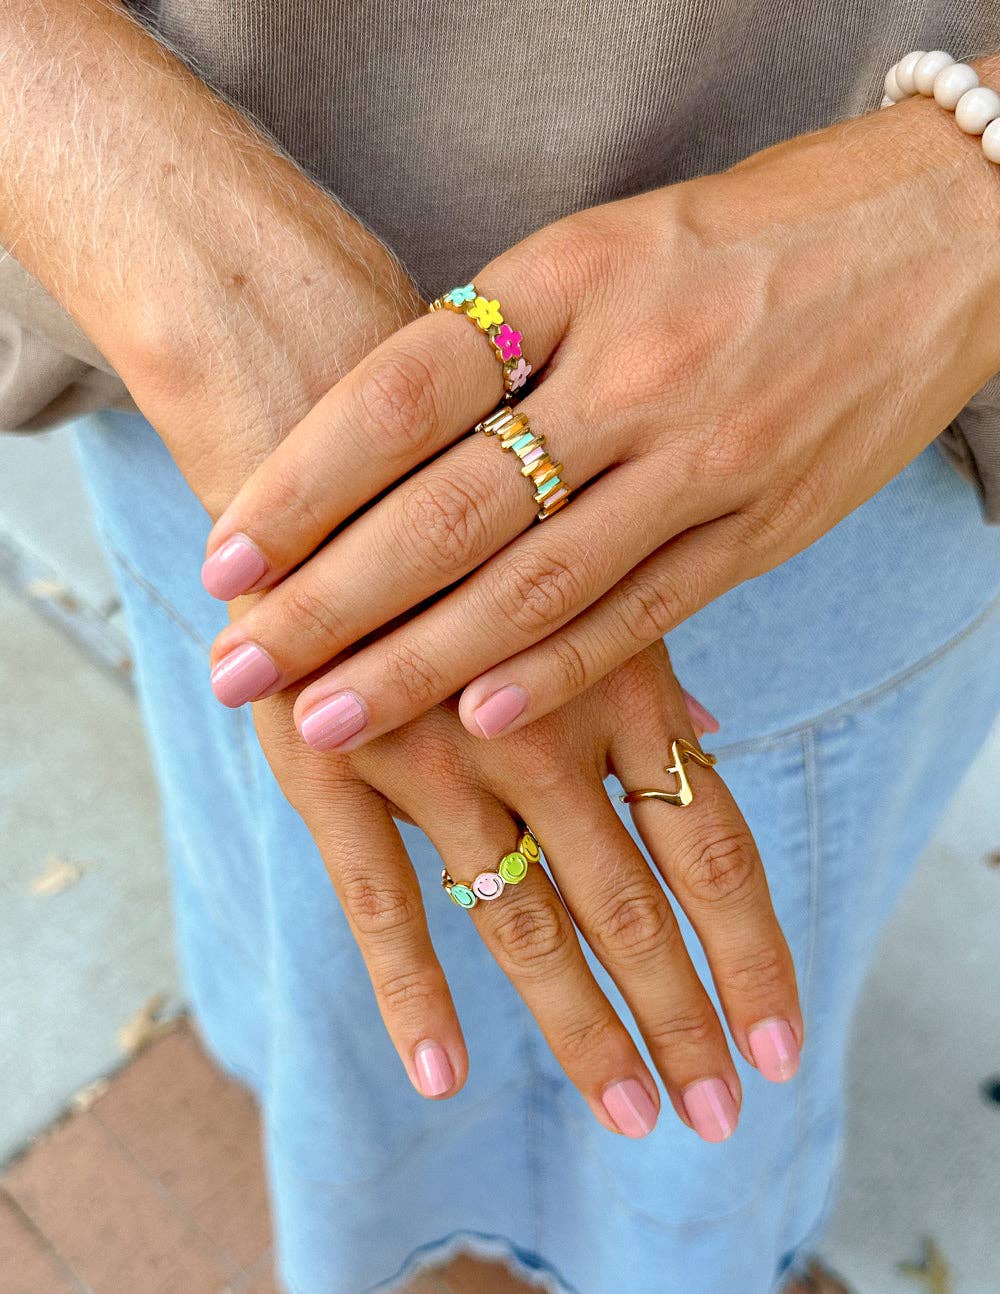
{"type": "Point", "coordinates": [681, 752]}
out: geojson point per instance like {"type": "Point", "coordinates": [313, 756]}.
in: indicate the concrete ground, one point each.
{"type": "Point", "coordinates": [85, 955]}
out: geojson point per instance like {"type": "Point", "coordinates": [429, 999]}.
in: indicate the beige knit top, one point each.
{"type": "Point", "coordinates": [453, 128]}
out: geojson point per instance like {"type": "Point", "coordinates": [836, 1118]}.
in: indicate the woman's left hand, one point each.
{"type": "Point", "coordinates": [729, 366]}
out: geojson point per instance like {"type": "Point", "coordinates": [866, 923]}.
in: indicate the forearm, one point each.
{"type": "Point", "coordinates": [222, 284]}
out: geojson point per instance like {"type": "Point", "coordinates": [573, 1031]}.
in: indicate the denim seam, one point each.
{"type": "Point", "coordinates": [814, 828]}
{"type": "Point", "coordinates": [534, 1138]}
{"type": "Point", "coordinates": [863, 699]}
{"type": "Point", "coordinates": [154, 595]}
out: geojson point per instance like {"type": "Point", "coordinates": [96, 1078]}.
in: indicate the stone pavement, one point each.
{"type": "Point", "coordinates": [86, 965]}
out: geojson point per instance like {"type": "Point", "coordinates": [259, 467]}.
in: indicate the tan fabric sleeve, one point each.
{"type": "Point", "coordinates": [972, 443]}
{"type": "Point", "coordinates": [49, 371]}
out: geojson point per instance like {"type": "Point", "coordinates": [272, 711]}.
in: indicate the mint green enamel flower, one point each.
{"type": "Point", "coordinates": [459, 296]}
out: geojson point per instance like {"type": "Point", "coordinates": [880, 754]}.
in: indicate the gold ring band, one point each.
{"type": "Point", "coordinates": [511, 870]}
{"type": "Point", "coordinates": [514, 433]}
{"type": "Point", "coordinates": [505, 341]}
{"type": "Point", "coordinates": [681, 752]}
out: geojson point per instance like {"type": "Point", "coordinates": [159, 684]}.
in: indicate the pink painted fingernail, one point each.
{"type": "Point", "coordinates": [774, 1049]}
{"type": "Point", "coordinates": [234, 567]}
{"type": "Point", "coordinates": [700, 717]}
{"type": "Point", "coordinates": [434, 1072]}
{"type": "Point", "coordinates": [631, 1108]}
{"type": "Point", "coordinates": [243, 674]}
{"type": "Point", "coordinates": [333, 721]}
{"type": "Point", "coordinates": [500, 710]}
{"type": "Point", "coordinates": [711, 1109]}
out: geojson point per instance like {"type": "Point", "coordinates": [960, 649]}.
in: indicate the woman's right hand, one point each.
{"type": "Point", "coordinates": [468, 797]}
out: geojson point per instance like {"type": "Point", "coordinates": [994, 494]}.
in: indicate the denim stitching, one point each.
{"type": "Point", "coordinates": [814, 826]}
{"type": "Point", "coordinates": [863, 699]}
{"type": "Point", "coordinates": [154, 595]}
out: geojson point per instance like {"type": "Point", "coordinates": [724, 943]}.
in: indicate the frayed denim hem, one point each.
{"type": "Point", "coordinates": [527, 1266]}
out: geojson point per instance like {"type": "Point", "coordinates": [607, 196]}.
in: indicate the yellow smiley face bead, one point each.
{"type": "Point", "coordinates": [528, 846]}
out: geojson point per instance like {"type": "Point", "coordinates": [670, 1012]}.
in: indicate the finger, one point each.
{"type": "Point", "coordinates": [655, 596]}
{"type": "Point", "coordinates": [708, 857]}
{"type": "Point", "coordinates": [381, 899]}
{"type": "Point", "coordinates": [529, 932]}
{"type": "Point", "coordinates": [410, 398]}
{"type": "Point", "coordinates": [622, 911]}
{"type": "Point", "coordinates": [426, 534]}
{"type": "Point", "coordinates": [520, 596]}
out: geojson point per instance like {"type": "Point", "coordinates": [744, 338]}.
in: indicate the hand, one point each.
{"type": "Point", "coordinates": [467, 796]}
{"type": "Point", "coordinates": [222, 352]}
{"type": "Point", "coordinates": [729, 366]}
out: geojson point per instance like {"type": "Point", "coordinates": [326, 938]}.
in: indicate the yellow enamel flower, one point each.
{"type": "Point", "coordinates": [485, 313]}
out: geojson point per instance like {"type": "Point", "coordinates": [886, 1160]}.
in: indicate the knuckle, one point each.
{"type": "Point", "coordinates": [580, 1041]}
{"type": "Point", "coordinates": [540, 596]}
{"type": "Point", "coordinates": [721, 868]}
{"type": "Point", "coordinates": [404, 990]}
{"type": "Point", "coordinates": [378, 906]}
{"type": "Point", "coordinates": [532, 935]}
{"type": "Point", "coordinates": [735, 448]}
{"type": "Point", "coordinates": [412, 674]}
{"type": "Point", "coordinates": [572, 257]}
{"type": "Point", "coordinates": [445, 523]}
{"type": "Point", "coordinates": [290, 500]}
{"type": "Point", "coordinates": [757, 975]}
{"type": "Point", "coordinates": [634, 924]}
{"type": "Point", "coordinates": [571, 666]}
{"type": "Point", "coordinates": [691, 1030]}
{"type": "Point", "coordinates": [649, 607]}
{"type": "Point", "coordinates": [636, 684]}
{"type": "Point", "coordinates": [543, 756]}
{"type": "Point", "coordinates": [399, 404]}
{"type": "Point", "coordinates": [309, 615]}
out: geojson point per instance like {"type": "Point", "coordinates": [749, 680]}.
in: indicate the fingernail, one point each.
{"type": "Point", "coordinates": [700, 717]}
{"type": "Point", "coordinates": [711, 1109]}
{"type": "Point", "coordinates": [774, 1049]}
{"type": "Point", "coordinates": [333, 721]}
{"type": "Point", "coordinates": [500, 710]}
{"type": "Point", "coordinates": [434, 1072]}
{"type": "Point", "coordinates": [242, 674]}
{"type": "Point", "coordinates": [630, 1106]}
{"type": "Point", "coordinates": [233, 568]}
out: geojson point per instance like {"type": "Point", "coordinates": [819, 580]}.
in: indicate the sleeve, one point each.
{"type": "Point", "coordinates": [49, 371]}
{"type": "Point", "coordinates": [972, 442]}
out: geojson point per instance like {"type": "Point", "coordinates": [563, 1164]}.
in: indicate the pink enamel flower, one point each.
{"type": "Point", "coordinates": [518, 375]}
{"type": "Point", "coordinates": [508, 342]}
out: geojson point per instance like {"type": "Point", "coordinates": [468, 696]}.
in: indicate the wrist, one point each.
{"type": "Point", "coordinates": [959, 201]}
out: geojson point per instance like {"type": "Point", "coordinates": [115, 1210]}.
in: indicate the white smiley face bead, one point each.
{"type": "Point", "coordinates": [488, 885]}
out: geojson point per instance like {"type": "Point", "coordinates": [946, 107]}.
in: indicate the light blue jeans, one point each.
{"type": "Point", "coordinates": [853, 685]}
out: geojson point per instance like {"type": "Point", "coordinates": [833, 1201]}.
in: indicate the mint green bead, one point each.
{"type": "Point", "coordinates": [463, 896]}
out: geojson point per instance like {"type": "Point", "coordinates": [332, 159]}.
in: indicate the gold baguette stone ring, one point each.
{"type": "Point", "coordinates": [514, 433]}
{"type": "Point", "coordinates": [681, 752]}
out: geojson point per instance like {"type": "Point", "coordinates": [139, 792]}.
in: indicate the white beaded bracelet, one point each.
{"type": "Point", "coordinates": [955, 86]}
